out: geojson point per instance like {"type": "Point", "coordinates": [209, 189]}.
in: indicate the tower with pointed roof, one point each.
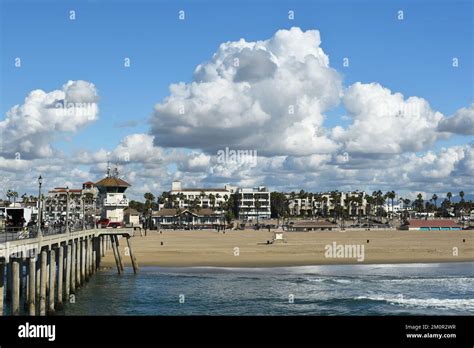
{"type": "Point", "coordinates": [111, 198]}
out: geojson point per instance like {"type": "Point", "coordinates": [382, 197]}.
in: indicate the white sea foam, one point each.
{"type": "Point", "coordinates": [343, 281]}
{"type": "Point", "coordinates": [428, 280]}
{"type": "Point", "coordinates": [447, 303]}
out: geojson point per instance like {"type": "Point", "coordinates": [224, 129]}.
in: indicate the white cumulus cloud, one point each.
{"type": "Point", "coordinates": [462, 122]}
{"type": "Point", "coordinates": [385, 122]}
{"type": "Point", "coordinates": [267, 95]}
{"type": "Point", "coordinates": [30, 128]}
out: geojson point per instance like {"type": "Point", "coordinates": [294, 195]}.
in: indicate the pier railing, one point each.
{"type": "Point", "coordinates": [8, 234]}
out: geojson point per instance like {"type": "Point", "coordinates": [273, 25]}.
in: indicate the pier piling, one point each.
{"type": "Point", "coordinates": [31, 286]}
{"type": "Point", "coordinates": [44, 260]}
{"type": "Point", "coordinates": [59, 301]}
{"type": "Point", "coordinates": [2, 283]}
{"type": "Point", "coordinates": [118, 252]}
{"type": "Point", "coordinates": [73, 267]}
{"type": "Point", "coordinates": [116, 256]}
{"type": "Point", "coordinates": [132, 256]}
{"type": "Point", "coordinates": [83, 261]}
{"type": "Point", "coordinates": [8, 292]}
{"type": "Point", "coordinates": [78, 264]}
{"type": "Point", "coordinates": [52, 280]}
{"type": "Point", "coordinates": [67, 285]}
{"type": "Point", "coordinates": [38, 277]}
{"type": "Point", "coordinates": [15, 287]}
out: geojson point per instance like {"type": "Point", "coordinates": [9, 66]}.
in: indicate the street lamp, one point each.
{"type": "Point", "coordinates": [40, 183]}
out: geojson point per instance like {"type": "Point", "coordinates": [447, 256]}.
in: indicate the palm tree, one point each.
{"type": "Point", "coordinates": [449, 195]}
{"type": "Point", "coordinates": [335, 198]}
{"type": "Point", "coordinates": [435, 198]}
{"type": "Point", "coordinates": [195, 205]}
{"type": "Point", "coordinates": [461, 194]}
{"type": "Point", "coordinates": [212, 200]}
{"type": "Point", "coordinates": [391, 195]}
{"type": "Point", "coordinates": [149, 197]}
{"type": "Point", "coordinates": [25, 199]}
{"type": "Point", "coordinates": [9, 195]}
{"type": "Point", "coordinates": [15, 196]}
{"type": "Point", "coordinates": [419, 202]}
{"type": "Point", "coordinates": [406, 203]}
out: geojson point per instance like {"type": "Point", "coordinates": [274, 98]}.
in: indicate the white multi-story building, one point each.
{"type": "Point", "coordinates": [249, 202]}
{"type": "Point", "coordinates": [213, 198]}
{"type": "Point", "coordinates": [253, 203]}
{"type": "Point", "coordinates": [398, 206]}
{"type": "Point", "coordinates": [312, 204]}
{"type": "Point", "coordinates": [81, 202]}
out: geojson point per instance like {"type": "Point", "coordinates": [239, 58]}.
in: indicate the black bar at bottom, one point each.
{"type": "Point", "coordinates": [413, 330]}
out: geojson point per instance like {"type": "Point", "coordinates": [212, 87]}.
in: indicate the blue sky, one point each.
{"type": "Point", "coordinates": [412, 56]}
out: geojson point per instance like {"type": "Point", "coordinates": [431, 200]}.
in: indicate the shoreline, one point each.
{"type": "Point", "coordinates": [248, 249]}
{"type": "Point", "coordinates": [263, 267]}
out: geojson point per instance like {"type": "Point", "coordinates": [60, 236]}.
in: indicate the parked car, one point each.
{"type": "Point", "coordinates": [106, 223]}
{"type": "Point", "coordinates": [103, 223]}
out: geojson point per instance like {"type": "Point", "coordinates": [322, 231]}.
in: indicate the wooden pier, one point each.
{"type": "Point", "coordinates": [40, 275]}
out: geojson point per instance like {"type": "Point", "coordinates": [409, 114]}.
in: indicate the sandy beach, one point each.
{"type": "Point", "coordinates": [249, 248]}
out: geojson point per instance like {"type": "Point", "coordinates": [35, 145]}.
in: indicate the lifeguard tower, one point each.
{"type": "Point", "coordinates": [111, 198]}
{"type": "Point", "coordinates": [279, 236]}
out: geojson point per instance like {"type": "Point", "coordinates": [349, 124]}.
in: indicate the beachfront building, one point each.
{"type": "Point", "coordinates": [131, 217]}
{"type": "Point", "coordinates": [111, 199]}
{"type": "Point", "coordinates": [176, 218]}
{"type": "Point", "coordinates": [311, 225]}
{"type": "Point", "coordinates": [430, 225]}
{"type": "Point", "coordinates": [81, 202]}
{"type": "Point", "coordinates": [253, 203]}
{"type": "Point", "coordinates": [204, 198]}
{"type": "Point", "coordinates": [55, 204]}
{"type": "Point", "coordinates": [398, 207]}
{"type": "Point", "coordinates": [354, 203]}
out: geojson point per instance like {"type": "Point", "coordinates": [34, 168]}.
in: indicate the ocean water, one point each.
{"type": "Point", "coordinates": [409, 289]}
